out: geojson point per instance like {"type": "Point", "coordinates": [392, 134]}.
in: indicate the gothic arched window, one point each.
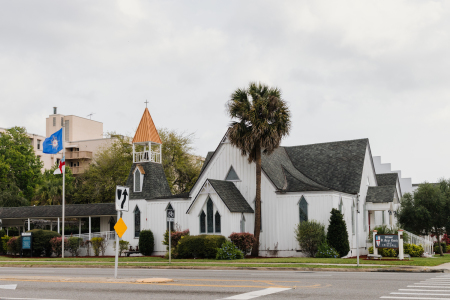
{"type": "Point", "coordinates": [203, 222]}
{"type": "Point", "coordinates": [210, 216]}
{"type": "Point", "coordinates": [137, 222]}
{"type": "Point", "coordinates": [217, 222]}
{"type": "Point", "coordinates": [137, 180]}
{"type": "Point", "coordinates": [303, 209]}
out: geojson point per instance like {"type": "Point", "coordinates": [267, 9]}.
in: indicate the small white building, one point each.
{"type": "Point", "coordinates": [298, 183]}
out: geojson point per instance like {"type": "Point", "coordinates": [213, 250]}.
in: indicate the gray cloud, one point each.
{"type": "Point", "coordinates": [349, 69]}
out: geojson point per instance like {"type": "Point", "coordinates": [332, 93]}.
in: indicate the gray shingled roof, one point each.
{"type": "Point", "coordinates": [277, 163]}
{"type": "Point", "coordinates": [155, 184]}
{"type": "Point", "coordinates": [380, 194]}
{"type": "Point", "coordinates": [207, 159]}
{"type": "Point", "coordinates": [55, 211]}
{"type": "Point", "coordinates": [387, 179]}
{"type": "Point", "coordinates": [231, 196]}
{"type": "Point", "coordinates": [336, 165]}
{"type": "Point", "coordinates": [318, 167]}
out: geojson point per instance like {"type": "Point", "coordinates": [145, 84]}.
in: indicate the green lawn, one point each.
{"type": "Point", "coordinates": [264, 262]}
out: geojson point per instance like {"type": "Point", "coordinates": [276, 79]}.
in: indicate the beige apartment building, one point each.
{"type": "Point", "coordinates": [83, 139]}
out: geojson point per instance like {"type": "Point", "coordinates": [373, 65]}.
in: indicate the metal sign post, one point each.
{"type": "Point", "coordinates": [170, 214]}
{"type": "Point", "coordinates": [357, 238]}
{"type": "Point", "coordinates": [122, 204]}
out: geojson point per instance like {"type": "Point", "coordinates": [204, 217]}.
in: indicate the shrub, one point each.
{"type": "Point", "coordinates": [200, 246]}
{"type": "Point", "coordinates": [123, 245]}
{"type": "Point", "coordinates": [56, 244]}
{"type": "Point", "coordinates": [444, 247]}
{"type": "Point", "coordinates": [413, 250]}
{"type": "Point", "coordinates": [13, 245]}
{"type": "Point", "coordinates": [229, 251]}
{"type": "Point", "coordinates": [310, 234]}
{"type": "Point", "coordinates": [385, 252]}
{"type": "Point", "coordinates": [146, 242]}
{"type": "Point", "coordinates": [2, 234]}
{"type": "Point", "coordinates": [337, 235]}
{"type": "Point", "coordinates": [74, 244]}
{"type": "Point", "coordinates": [326, 251]}
{"type": "Point", "coordinates": [4, 244]}
{"type": "Point", "coordinates": [99, 245]}
{"type": "Point", "coordinates": [41, 241]}
{"type": "Point", "coordinates": [176, 237]}
{"type": "Point", "coordinates": [445, 239]}
{"type": "Point", "coordinates": [244, 241]}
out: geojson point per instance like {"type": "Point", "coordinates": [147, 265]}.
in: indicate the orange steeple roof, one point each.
{"type": "Point", "coordinates": [146, 131]}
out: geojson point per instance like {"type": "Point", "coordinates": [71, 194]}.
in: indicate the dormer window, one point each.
{"type": "Point", "coordinates": [232, 175]}
{"type": "Point", "coordinates": [137, 180]}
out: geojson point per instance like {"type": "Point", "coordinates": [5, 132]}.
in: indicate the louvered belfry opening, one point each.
{"type": "Point", "coordinates": [146, 142]}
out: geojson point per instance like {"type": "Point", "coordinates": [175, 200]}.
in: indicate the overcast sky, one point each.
{"type": "Point", "coordinates": [348, 69]}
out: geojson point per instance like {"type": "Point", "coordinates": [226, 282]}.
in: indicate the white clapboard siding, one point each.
{"type": "Point", "coordinates": [227, 156]}
{"type": "Point", "coordinates": [128, 218]}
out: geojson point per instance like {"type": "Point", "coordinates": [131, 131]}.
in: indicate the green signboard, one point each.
{"type": "Point", "coordinates": [26, 242]}
{"type": "Point", "coordinates": [386, 241]}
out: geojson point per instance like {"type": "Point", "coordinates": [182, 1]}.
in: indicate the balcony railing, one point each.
{"type": "Point", "coordinates": [147, 156]}
{"type": "Point", "coordinates": [78, 154]}
{"type": "Point", "coordinates": [79, 170]}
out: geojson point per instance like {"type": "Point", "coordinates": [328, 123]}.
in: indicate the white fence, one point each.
{"type": "Point", "coordinates": [108, 236]}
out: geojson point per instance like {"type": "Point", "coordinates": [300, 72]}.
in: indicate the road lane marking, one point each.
{"type": "Point", "coordinates": [415, 298]}
{"type": "Point", "coordinates": [8, 286]}
{"type": "Point", "coordinates": [430, 286]}
{"type": "Point", "coordinates": [256, 294]}
{"type": "Point", "coordinates": [415, 290]}
{"type": "Point", "coordinates": [3, 298]}
{"type": "Point", "coordinates": [421, 294]}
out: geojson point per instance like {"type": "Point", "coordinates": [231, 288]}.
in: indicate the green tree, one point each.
{"type": "Point", "coordinates": [20, 168]}
{"type": "Point", "coordinates": [263, 120]}
{"type": "Point", "coordinates": [49, 189]}
{"type": "Point", "coordinates": [426, 211]}
{"type": "Point", "coordinates": [110, 168]}
{"type": "Point", "coordinates": [337, 235]}
{"type": "Point", "coordinates": [181, 166]}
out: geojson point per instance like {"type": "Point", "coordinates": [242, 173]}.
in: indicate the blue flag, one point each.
{"type": "Point", "coordinates": [54, 143]}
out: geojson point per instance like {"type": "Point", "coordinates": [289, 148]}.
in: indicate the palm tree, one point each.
{"type": "Point", "coordinates": [263, 120]}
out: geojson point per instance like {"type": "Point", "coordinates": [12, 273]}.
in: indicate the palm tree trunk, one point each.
{"type": "Point", "coordinates": [255, 249]}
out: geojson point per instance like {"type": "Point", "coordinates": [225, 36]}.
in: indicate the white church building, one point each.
{"type": "Point", "coordinates": [298, 183]}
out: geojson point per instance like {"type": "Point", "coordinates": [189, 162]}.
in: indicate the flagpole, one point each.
{"type": "Point", "coordinates": [63, 191]}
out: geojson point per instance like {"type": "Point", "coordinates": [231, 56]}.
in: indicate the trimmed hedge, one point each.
{"type": "Point", "coordinates": [200, 246]}
{"type": "Point", "coordinates": [411, 249]}
{"type": "Point", "coordinates": [146, 242]}
{"type": "Point", "coordinates": [244, 241]}
{"type": "Point", "coordinates": [41, 241]}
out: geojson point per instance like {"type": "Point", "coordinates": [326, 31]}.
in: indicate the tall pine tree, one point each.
{"type": "Point", "coordinates": [337, 235]}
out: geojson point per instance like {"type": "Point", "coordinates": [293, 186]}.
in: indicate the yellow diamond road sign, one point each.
{"type": "Point", "coordinates": [120, 227]}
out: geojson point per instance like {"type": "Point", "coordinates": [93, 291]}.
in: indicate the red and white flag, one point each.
{"type": "Point", "coordinates": [62, 166]}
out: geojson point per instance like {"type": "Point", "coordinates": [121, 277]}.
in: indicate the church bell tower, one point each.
{"type": "Point", "coordinates": [146, 142]}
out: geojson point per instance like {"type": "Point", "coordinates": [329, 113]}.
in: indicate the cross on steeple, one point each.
{"type": "Point", "coordinates": [146, 102]}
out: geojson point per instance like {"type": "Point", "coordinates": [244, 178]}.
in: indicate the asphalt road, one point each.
{"type": "Point", "coordinates": [98, 283]}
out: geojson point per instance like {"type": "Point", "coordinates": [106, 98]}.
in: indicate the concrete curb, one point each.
{"type": "Point", "coordinates": [309, 269]}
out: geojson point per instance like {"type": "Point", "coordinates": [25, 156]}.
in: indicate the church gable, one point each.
{"type": "Point", "coordinates": [228, 193]}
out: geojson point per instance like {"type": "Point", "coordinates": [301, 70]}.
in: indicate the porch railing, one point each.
{"type": "Point", "coordinates": [107, 235]}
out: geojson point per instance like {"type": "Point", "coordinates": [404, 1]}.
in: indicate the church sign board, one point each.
{"type": "Point", "coordinates": [386, 241]}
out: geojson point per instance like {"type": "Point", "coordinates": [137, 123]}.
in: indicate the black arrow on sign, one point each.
{"type": "Point", "coordinates": [125, 194]}
{"type": "Point", "coordinates": [119, 194]}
